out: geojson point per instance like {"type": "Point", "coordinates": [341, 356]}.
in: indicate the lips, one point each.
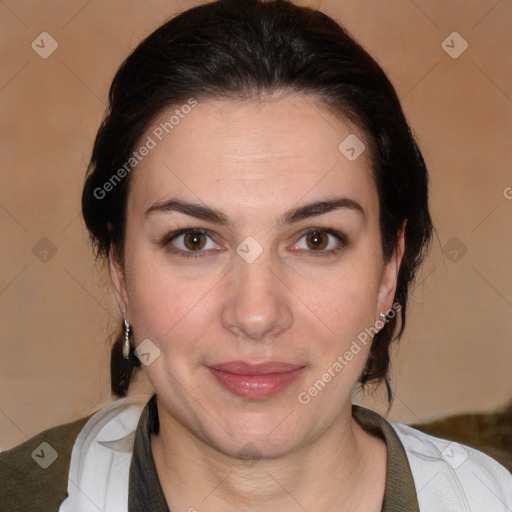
{"type": "Point", "coordinates": [255, 381]}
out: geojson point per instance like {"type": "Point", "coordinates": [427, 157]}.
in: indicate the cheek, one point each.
{"type": "Point", "coordinates": [171, 308]}
{"type": "Point", "coordinates": [344, 298]}
{"type": "Point", "coordinates": [349, 317]}
{"type": "Point", "coordinates": [345, 306]}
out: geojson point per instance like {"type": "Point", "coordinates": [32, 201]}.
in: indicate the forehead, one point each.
{"type": "Point", "coordinates": [251, 155]}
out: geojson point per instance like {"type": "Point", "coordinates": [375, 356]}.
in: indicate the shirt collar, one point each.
{"type": "Point", "coordinates": [144, 489]}
{"type": "Point", "coordinates": [400, 491]}
{"type": "Point", "coordinates": [145, 492]}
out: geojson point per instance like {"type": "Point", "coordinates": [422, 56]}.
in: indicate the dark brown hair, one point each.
{"type": "Point", "coordinates": [241, 49]}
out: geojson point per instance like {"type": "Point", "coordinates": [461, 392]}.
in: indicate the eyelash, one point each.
{"type": "Point", "coordinates": [166, 242]}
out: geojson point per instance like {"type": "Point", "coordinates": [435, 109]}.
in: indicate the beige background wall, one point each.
{"type": "Point", "coordinates": [56, 315]}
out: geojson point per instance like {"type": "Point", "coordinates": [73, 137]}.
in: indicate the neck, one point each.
{"type": "Point", "coordinates": [345, 469]}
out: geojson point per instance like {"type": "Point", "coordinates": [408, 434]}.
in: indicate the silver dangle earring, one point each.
{"type": "Point", "coordinates": [126, 345]}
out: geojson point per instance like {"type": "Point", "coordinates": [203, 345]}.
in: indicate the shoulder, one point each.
{"type": "Point", "coordinates": [101, 457]}
{"type": "Point", "coordinates": [451, 476]}
{"type": "Point", "coordinates": [33, 475]}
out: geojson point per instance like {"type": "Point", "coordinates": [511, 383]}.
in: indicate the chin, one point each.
{"type": "Point", "coordinates": [254, 438]}
{"type": "Point", "coordinates": [250, 451]}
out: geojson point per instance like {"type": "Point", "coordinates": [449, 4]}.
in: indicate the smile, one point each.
{"type": "Point", "coordinates": [255, 381]}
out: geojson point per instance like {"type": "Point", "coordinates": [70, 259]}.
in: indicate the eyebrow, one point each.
{"type": "Point", "coordinates": [216, 216]}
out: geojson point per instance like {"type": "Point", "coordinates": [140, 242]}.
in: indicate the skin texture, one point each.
{"type": "Point", "coordinates": [295, 303]}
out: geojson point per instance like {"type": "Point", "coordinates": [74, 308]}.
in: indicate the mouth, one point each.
{"type": "Point", "coordinates": [255, 381]}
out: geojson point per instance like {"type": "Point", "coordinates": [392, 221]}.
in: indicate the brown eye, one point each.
{"type": "Point", "coordinates": [190, 242]}
{"type": "Point", "coordinates": [317, 240]}
{"type": "Point", "coordinates": [322, 242]}
{"type": "Point", "coordinates": [194, 241]}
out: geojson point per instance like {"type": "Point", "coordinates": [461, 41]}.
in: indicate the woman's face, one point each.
{"type": "Point", "coordinates": [253, 287]}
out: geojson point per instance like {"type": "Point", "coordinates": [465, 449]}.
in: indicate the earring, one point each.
{"type": "Point", "coordinates": [126, 345]}
{"type": "Point", "coordinates": [383, 316]}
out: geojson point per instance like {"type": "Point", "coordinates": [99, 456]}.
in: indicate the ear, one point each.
{"type": "Point", "coordinates": [390, 274]}
{"type": "Point", "coordinates": [117, 278]}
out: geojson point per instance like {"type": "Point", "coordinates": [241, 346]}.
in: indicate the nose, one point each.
{"type": "Point", "coordinates": [258, 302]}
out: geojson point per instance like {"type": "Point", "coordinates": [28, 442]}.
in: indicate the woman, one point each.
{"type": "Point", "coordinates": [263, 209]}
